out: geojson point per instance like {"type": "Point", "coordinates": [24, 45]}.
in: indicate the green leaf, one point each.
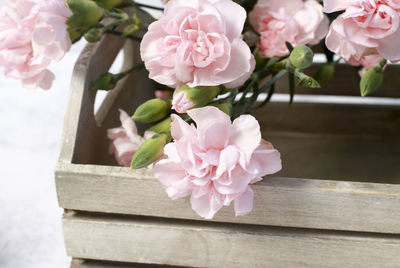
{"type": "Point", "coordinates": [371, 80]}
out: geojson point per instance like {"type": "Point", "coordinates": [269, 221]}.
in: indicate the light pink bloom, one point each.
{"type": "Point", "coordinates": [181, 103]}
{"type": "Point", "coordinates": [33, 33]}
{"type": "Point", "coordinates": [293, 21]}
{"type": "Point", "coordinates": [366, 27]}
{"type": "Point", "coordinates": [215, 162]}
{"type": "Point", "coordinates": [198, 43]}
{"type": "Point", "coordinates": [367, 61]}
{"type": "Point", "coordinates": [126, 140]}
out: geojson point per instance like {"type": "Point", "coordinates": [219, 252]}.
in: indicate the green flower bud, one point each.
{"type": "Point", "coordinates": [106, 81]}
{"type": "Point", "coordinates": [94, 35]}
{"type": "Point", "coordinates": [371, 80]}
{"type": "Point", "coordinates": [85, 13]}
{"type": "Point", "coordinates": [110, 4]}
{"type": "Point", "coordinates": [200, 95]}
{"type": "Point", "coordinates": [74, 34]}
{"type": "Point", "coordinates": [152, 111]}
{"type": "Point", "coordinates": [163, 126]}
{"type": "Point", "coordinates": [151, 150]}
{"type": "Point", "coordinates": [301, 57]}
{"type": "Point", "coordinates": [324, 74]}
{"type": "Point", "coordinates": [226, 107]}
{"type": "Point", "coordinates": [305, 80]}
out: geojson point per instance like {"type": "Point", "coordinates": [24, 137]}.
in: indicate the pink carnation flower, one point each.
{"type": "Point", "coordinates": [198, 43]}
{"type": "Point", "coordinates": [126, 140]}
{"type": "Point", "coordinates": [366, 27]}
{"type": "Point", "coordinates": [33, 33]}
{"type": "Point", "coordinates": [181, 104]}
{"type": "Point", "coordinates": [215, 162]}
{"type": "Point", "coordinates": [293, 21]}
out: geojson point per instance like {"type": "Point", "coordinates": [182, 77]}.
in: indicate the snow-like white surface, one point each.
{"type": "Point", "coordinates": [31, 124]}
{"type": "Point", "coordinates": [30, 132]}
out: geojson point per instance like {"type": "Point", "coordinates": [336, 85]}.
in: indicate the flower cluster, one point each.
{"type": "Point", "coordinates": [212, 61]}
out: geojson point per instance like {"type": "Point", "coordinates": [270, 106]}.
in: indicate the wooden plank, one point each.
{"type": "Point", "coordinates": [192, 244]}
{"type": "Point", "coordinates": [278, 201]}
{"type": "Point", "coordinates": [346, 82]}
{"type": "Point", "coordinates": [78, 263]}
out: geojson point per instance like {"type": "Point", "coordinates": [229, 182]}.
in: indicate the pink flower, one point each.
{"type": "Point", "coordinates": [126, 140]}
{"type": "Point", "coordinates": [215, 162]}
{"type": "Point", "coordinates": [32, 34]}
{"type": "Point", "coordinates": [293, 21]}
{"type": "Point", "coordinates": [198, 43]}
{"type": "Point", "coordinates": [181, 104]}
{"type": "Point", "coordinates": [366, 27]}
{"type": "Point", "coordinates": [367, 61]}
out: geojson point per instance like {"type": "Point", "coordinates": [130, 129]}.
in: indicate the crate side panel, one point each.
{"type": "Point", "coordinates": [278, 201]}
{"type": "Point", "coordinates": [196, 245]}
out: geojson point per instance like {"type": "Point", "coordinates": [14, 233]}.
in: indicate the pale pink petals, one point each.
{"type": "Point", "coordinates": [198, 43]}
{"type": "Point", "coordinates": [216, 162]}
{"type": "Point", "coordinates": [366, 27]}
{"type": "Point", "coordinates": [244, 203]}
{"type": "Point", "coordinates": [126, 140]}
{"type": "Point", "coordinates": [33, 33]}
{"type": "Point", "coordinates": [181, 103]}
{"type": "Point", "coordinates": [294, 21]}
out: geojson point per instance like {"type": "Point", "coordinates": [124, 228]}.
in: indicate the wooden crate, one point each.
{"type": "Point", "coordinates": [336, 203]}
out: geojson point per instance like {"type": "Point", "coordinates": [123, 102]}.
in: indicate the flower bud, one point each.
{"type": "Point", "coordinates": [106, 81]}
{"type": "Point", "coordinates": [152, 111]}
{"type": "Point", "coordinates": [85, 13]}
{"type": "Point", "coordinates": [226, 107]}
{"type": "Point", "coordinates": [94, 35]}
{"type": "Point", "coordinates": [301, 57]}
{"type": "Point", "coordinates": [151, 150]}
{"type": "Point", "coordinates": [305, 80]}
{"type": "Point", "coordinates": [324, 74]}
{"type": "Point", "coordinates": [110, 4]}
{"type": "Point", "coordinates": [187, 97]}
{"type": "Point", "coordinates": [163, 126]}
{"type": "Point", "coordinates": [371, 80]}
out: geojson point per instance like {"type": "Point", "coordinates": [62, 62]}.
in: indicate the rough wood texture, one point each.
{"type": "Point", "coordinates": [191, 244]}
{"type": "Point", "coordinates": [77, 263]}
{"type": "Point", "coordinates": [278, 201]}
{"type": "Point", "coordinates": [346, 82]}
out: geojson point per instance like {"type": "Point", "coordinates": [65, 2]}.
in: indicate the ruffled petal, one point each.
{"type": "Point", "coordinates": [244, 203]}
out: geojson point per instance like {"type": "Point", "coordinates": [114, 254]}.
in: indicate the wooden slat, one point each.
{"type": "Point", "coordinates": [78, 263]}
{"type": "Point", "coordinates": [339, 205]}
{"type": "Point", "coordinates": [345, 82]}
{"type": "Point", "coordinates": [192, 244]}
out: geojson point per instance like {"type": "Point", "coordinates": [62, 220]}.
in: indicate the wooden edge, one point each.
{"type": "Point", "coordinates": [94, 60]}
{"type": "Point", "coordinates": [305, 203]}
{"type": "Point", "coordinates": [194, 244]}
{"type": "Point", "coordinates": [81, 263]}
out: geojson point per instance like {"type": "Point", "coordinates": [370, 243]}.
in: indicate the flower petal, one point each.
{"type": "Point", "coordinates": [244, 203]}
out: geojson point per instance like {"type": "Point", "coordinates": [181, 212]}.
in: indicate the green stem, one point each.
{"type": "Point", "coordinates": [132, 37]}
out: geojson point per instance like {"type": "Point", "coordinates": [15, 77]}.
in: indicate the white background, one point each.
{"type": "Point", "coordinates": [30, 130]}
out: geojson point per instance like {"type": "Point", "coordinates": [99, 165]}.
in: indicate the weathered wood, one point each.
{"type": "Point", "coordinates": [346, 82]}
{"type": "Point", "coordinates": [78, 263]}
{"type": "Point", "coordinates": [193, 244]}
{"type": "Point", "coordinates": [278, 201]}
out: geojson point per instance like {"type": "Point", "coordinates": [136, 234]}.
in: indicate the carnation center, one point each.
{"type": "Point", "coordinates": [200, 48]}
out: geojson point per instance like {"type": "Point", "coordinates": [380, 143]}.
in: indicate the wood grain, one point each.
{"type": "Point", "coordinates": [191, 244]}
{"type": "Point", "coordinates": [278, 201]}
{"type": "Point", "coordinates": [79, 263]}
{"type": "Point", "coordinates": [345, 82]}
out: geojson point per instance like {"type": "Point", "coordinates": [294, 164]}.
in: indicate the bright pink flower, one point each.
{"type": "Point", "coordinates": [215, 162]}
{"type": "Point", "coordinates": [181, 103]}
{"type": "Point", "coordinates": [33, 33]}
{"type": "Point", "coordinates": [198, 43]}
{"type": "Point", "coordinates": [366, 27]}
{"type": "Point", "coordinates": [293, 21]}
{"type": "Point", "coordinates": [126, 140]}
